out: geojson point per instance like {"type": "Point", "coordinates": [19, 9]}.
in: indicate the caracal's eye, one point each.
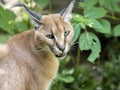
{"type": "Point", "coordinates": [66, 33]}
{"type": "Point", "coordinates": [50, 36]}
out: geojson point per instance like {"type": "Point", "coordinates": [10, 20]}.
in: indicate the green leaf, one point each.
{"type": "Point", "coordinates": [77, 30]}
{"type": "Point", "coordinates": [6, 19]}
{"type": "Point", "coordinates": [94, 12]}
{"type": "Point", "coordinates": [85, 42]}
{"type": "Point", "coordinates": [101, 2]}
{"type": "Point", "coordinates": [77, 18]}
{"type": "Point", "coordinates": [112, 5]}
{"type": "Point", "coordinates": [20, 26]}
{"type": "Point", "coordinates": [102, 26]}
{"type": "Point", "coordinates": [96, 24]}
{"type": "Point", "coordinates": [116, 30]}
{"type": "Point", "coordinates": [66, 79]}
{"type": "Point", "coordinates": [95, 50]}
{"type": "Point", "coordinates": [89, 41]}
{"type": "Point", "coordinates": [82, 4]}
{"type": "Point", "coordinates": [90, 3]}
{"type": "Point", "coordinates": [42, 3]}
{"type": "Point", "coordinates": [4, 38]}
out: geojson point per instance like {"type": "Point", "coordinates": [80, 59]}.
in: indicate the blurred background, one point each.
{"type": "Point", "coordinates": [93, 62]}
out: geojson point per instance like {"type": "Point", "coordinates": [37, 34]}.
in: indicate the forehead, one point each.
{"type": "Point", "coordinates": [51, 18]}
{"type": "Point", "coordinates": [54, 22]}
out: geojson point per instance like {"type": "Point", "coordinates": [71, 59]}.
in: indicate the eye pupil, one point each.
{"type": "Point", "coordinates": [50, 36]}
{"type": "Point", "coordinates": [66, 33]}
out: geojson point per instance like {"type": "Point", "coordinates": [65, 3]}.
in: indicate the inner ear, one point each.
{"type": "Point", "coordinates": [37, 25]}
{"type": "Point", "coordinates": [65, 15]}
{"type": "Point", "coordinates": [67, 12]}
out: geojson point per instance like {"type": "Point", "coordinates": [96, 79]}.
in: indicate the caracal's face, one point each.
{"type": "Point", "coordinates": [56, 33]}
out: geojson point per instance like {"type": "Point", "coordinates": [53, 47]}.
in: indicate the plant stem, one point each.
{"type": "Point", "coordinates": [114, 18]}
{"type": "Point", "coordinates": [78, 59]}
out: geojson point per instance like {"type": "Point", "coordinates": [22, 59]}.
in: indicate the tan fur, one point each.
{"type": "Point", "coordinates": [3, 50]}
{"type": "Point", "coordinates": [29, 63]}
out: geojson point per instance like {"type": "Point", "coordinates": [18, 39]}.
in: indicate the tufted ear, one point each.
{"type": "Point", "coordinates": [66, 13]}
{"type": "Point", "coordinates": [35, 17]}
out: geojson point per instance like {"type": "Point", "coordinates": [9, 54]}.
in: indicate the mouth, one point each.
{"type": "Point", "coordinates": [58, 55]}
{"type": "Point", "coordinates": [62, 55]}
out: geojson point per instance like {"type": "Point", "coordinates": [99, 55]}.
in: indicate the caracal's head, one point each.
{"type": "Point", "coordinates": [56, 33]}
{"type": "Point", "coordinates": [54, 30]}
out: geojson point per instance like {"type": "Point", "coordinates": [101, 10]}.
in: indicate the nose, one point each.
{"type": "Point", "coordinates": [61, 47]}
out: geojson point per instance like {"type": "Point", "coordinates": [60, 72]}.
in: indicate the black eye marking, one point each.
{"type": "Point", "coordinates": [50, 36]}
{"type": "Point", "coordinates": [66, 33]}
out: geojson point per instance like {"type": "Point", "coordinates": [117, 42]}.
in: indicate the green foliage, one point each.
{"type": "Point", "coordinates": [21, 26]}
{"type": "Point", "coordinates": [93, 18]}
{"type": "Point", "coordinates": [116, 30]}
{"type": "Point", "coordinates": [42, 3]}
{"type": "Point", "coordinates": [4, 38]}
{"type": "Point", "coordinates": [8, 24]}
{"type": "Point", "coordinates": [89, 41]}
{"type": "Point", "coordinates": [90, 3]}
{"type": "Point", "coordinates": [77, 32]}
{"type": "Point", "coordinates": [94, 12]}
{"type": "Point", "coordinates": [111, 5]}
{"type": "Point", "coordinates": [89, 77]}
{"type": "Point", "coordinates": [102, 26]}
{"type": "Point", "coordinates": [6, 20]}
{"type": "Point", "coordinates": [111, 71]}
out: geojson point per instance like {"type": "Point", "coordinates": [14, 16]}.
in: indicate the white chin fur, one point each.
{"type": "Point", "coordinates": [61, 57]}
{"type": "Point", "coordinates": [59, 54]}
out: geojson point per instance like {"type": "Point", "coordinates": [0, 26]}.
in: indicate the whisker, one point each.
{"type": "Point", "coordinates": [74, 43]}
{"type": "Point", "coordinates": [40, 50]}
{"type": "Point", "coordinates": [73, 48]}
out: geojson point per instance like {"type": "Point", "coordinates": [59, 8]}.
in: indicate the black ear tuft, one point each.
{"type": "Point", "coordinates": [17, 5]}
{"type": "Point", "coordinates": [31, 13]}
{"type": "Point", "coordinates": [35, 17]}
{"type": "Point", "coordinates": [62, 12]}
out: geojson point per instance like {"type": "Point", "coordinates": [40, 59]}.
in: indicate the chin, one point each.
{"type": "Point", "coordinates": [59, 54]}
{"type": "Point", "coordinates": [61, 57]}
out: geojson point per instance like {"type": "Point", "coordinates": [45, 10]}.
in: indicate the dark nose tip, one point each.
{"type": "Point", "coordinates": [61, 47]}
